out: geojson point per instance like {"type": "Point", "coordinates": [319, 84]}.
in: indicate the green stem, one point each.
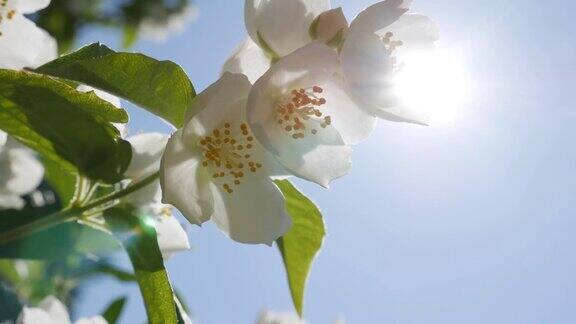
{"type": "Point", "coordinates": [70, 214]}
{"type": "Point", "coordinates": [122, 193]}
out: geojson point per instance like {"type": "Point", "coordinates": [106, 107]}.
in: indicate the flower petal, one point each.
{"type": "Point", "coordinates": [329, 24]}
{"type": "Point", "coordinates": [147, 150]}
{"type": "Point", "coordinates": [47, 49]}
{"type": "Point", "coordinates": [184, 183]}
{"type": "Point", "coordinates": [417, 33]}
{"type": "Point", "coordinates": [369, 74]}
{"type": "Point", "coordinates": [29, 6]}
{"type": "Point", "coordinates": [92, 320]}
{"type": "Point", "coordinates": [369, 68]}
{"type": "Point", "coordinates": [152, 193]}
{"type": "Point", "coordinates": [159, 29]}
{"type": "Point", "coordinates": [57, 311]}
{"type": "Point", "coordinates": [403, 113]}
{"type": "Point", "coordinates": [248, 59]}
{"type": "Point", "coordinates": [34, 316]}
{"type": "Point", "coordinates": [282, 25]}
{"type": "Point", "coordinates": [319, 163]}
{"type": "Point", "coordinates": [254, 213]}
{"type": "Point", "coordinates": [353, 123]}
{"type": "Point", "coordinates": [321, 157]}
{"type": "Point", "coordinates": [269, 317]}
{"type": "Point", "coordinates": [172, 237]}
{"type": "Point", "coordinates": [11, 202]}
{"type": "Point", "coordinates": [379, 15]}
{"type": "Point", "coordinates": [23, 44]}
{"type": "Point", "coordinates": [21, 171]}
{"type": "Point", "coordinates": [213, 106]}
{"type": "Point", "coordinates": [3, 139]}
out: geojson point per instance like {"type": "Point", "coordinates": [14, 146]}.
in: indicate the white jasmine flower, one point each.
{"type": "Point", "coordinates": [248, 59]}
{"type": "Point", "coordinates": [378, 42]}
{"type": "Point", "coordinates": [215, 169]}
{"type": "Point", "coordinates": [282, 26]}
{"type": "Point", "coordinates": [277, 28]}
{"type": "Point", "coordinates": [375, 49]}
{"type": "Point", "coordinates": [299, 110]}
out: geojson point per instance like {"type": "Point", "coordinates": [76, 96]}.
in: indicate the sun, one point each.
{"type": "Point", "coordinates": [434, 84]}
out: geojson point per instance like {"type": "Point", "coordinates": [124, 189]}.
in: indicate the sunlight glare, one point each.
{"type": "Point", "coordinates": [435, 84]}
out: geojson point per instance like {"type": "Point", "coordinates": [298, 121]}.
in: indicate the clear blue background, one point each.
{"type": "Point", "coordinates": [465, 223]}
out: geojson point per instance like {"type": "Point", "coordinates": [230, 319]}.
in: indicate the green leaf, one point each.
{"type": "Point", "coordinates": [161, 87]}
{"type": "Point", "coordinates": [114, 310]}
{"type": "Point", "coordinates": [61, 179]}
{"type": "Point", "coordinates": [71, 128]}
{"type": "Point", "coordinates": [137, 234]}
{"type": "Point", "coordinates": [8, 272]}
{"type": "Point", "coordinates": [301, 244]}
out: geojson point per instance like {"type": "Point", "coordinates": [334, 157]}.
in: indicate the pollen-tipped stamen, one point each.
{"type": "Point", "coordinates": [295, 111]}
{"type": "Point", "coordinates": [227, 154]}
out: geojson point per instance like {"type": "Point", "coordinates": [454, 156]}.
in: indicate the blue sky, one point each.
{"type": "Point", "coordinates": [468, 222]}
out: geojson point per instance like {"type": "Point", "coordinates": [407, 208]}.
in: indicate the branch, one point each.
{"type": "Point", "coordinates": [70, 214]}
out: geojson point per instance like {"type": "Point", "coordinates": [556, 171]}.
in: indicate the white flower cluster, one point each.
{"type": "Point", "coordinates": [52, 311]}
{"type": "Point", "coordinates": [294, 98]}
{"type": "Point", "coordinates": [23, 44]}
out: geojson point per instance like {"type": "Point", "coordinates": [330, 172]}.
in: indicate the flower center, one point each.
{"type": "Point", "coordinates": [296, 111]}
{"type": "Point", "coordinates": [229, 155]}
{"type": "Point", "coordinates": [5, 12]}
{"type": "Point", "coordinates": [391, 45]}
